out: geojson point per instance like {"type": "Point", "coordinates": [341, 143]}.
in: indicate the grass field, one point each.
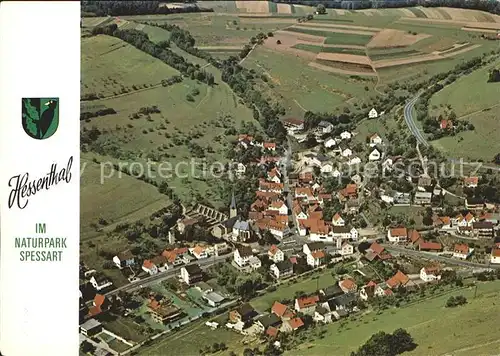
{"type": "Point", "coordinates": [480, 144]}
{"type": "Point", "coordinates": [99, 199]}
{"type": "Point", "coordinates": [476, 101]}
{"type": "Point", "coordinates": [307, 285]}
{"type": "Point", "coordinates": [470, 93]}
{"type": "Point", "coordinates": [465, 330]}
{"type": "Point", "coordinates": [189, 340]}
{"type": "Point", "coordinates": [109, 64]}
{"type": "Point", "coordinates": [392, 54]}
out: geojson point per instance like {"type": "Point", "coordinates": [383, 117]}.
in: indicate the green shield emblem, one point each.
{"type": "Point", "coordinates": [40, 117]}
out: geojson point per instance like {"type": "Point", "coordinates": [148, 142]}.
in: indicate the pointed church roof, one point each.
{"type": "Point", "coordinates": [233, 201]}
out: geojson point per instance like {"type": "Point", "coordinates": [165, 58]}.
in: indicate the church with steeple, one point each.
{"type": "Point", "coordinates": [233, 210]}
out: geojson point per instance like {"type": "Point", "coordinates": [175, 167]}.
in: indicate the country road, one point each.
{"type": "Point", "coordinates": [408, 114]}
{"type": "Point", "coordinates": [433, 256]}
{"type": "Point", "coordinates": [412, 126]}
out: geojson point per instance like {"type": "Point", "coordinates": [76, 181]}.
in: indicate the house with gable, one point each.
{"type": "Point", "coordinates": [398, 280]}
{"type": "Point", "coordinates": [306, 305]}
{"type": "Point", "coordinates": [397, 235]}
{"type": "Point", "coordinates": [346, 135]}
{"type": "Point", "coordinates": [462, 251]}
{"type": "Point", "coordinates": [315, 253]}
{"type": "Point", "coordinates": [124, 259]}
{"type": "Point", "coordinates": [375, 140]}
{"type": "Point", "coordinates": [430, 273]}
{"type": "Point", "coordinates": [242, 255]}
{"type": "Point", "coordinates": [282, 311]}
{"type": "Point", "coordinates": [375, 155]}
{"type": "Point", "coordinates": [372, 114]}
{"type": "Point", "coordinates": [337, 220]}
{"type": "Point", "coordinates": [282, 269]}
{"type": "Point", "coordinates": [276, 254]}
{"type": "Point", "coordinates": [325, 127]}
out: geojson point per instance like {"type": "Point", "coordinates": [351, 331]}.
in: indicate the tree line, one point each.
{"type": "Point", "coordinates": [117, 8]}
{"type": "Point", "coordinates": [141, 41]}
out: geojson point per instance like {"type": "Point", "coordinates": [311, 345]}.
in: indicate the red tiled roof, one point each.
{"type": "Point", "coordinates": [398, 279]}
{"type": "Point", "coordinates": [281, 310]}
{"type": "Point", "coordinates": [99, 300]}
{"type": "Point", "coordinates": [272, 331]}
{"type": "Point", "coordinates": [371, 284]}
{"type": "Point", "coordinates": [294, 121]}
{"type": "Point", "coordinates": [296, 323]}
{"type": "Point", "coordinates": [414, 235]}
{"type": "Point", "coordinates": [445, 220]}
{"type": "Point", "coordinates": [348, 284]}
{"type": "Point", "coordinates": [305, 302]}
{"type": "Point", "coordinates": [400, 231]}
{"type": "Point", "coordinates": [495, 252]}
{"type": "Point", "coordinates": [471, 180]}
{"type": "Point", "coordinates": [269, 145]}
{"type": "Point", "coordinates": [376, 248]}
{"type": "Point", "coordinates": [318, 254]}
{"type": "Point", "coordinates": [148, 264]}
{"type": "Point", "coordinates": [461, 248]}
{"type": "Point", "coordinates": [426, 245]}
{"type": "Point", "coordinates": [293, 259]}
{"type": "Point", "coordinates": [274, 249]}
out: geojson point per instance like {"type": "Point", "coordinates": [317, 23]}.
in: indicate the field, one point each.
{"type": "Point", "coordinates": [474, 100]}
{"type": "Point", "coordinates": [98, 199]}
{"type": "Point", "coordinates": [110, 65]}
{"type": "Point", "coordinates": [199, 336]}
{"type": "Point", "coordinates": [437, 331]}
{"type": "Point", "coordinates": [308, 284]}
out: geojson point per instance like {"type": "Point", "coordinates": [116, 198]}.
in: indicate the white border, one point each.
{"type": "Point", "coordinates": [40, 57]}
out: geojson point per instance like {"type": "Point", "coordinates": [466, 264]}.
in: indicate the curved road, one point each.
{"type": "Point", "coordinates": [410, 122]}
{"type": "Point", "coordinates": [408, 113]}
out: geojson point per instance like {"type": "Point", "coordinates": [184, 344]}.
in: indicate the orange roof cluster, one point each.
{"type": "Point", "coordinates": [471, 180]}
{"type": "Point", "coordinates": [282, 310]}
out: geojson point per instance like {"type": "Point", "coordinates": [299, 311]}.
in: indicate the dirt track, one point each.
{"type": "Point", "coordinates": [340, 57]}
{"type": "Point", "coordinates": [340, 71]}
{"type": "Point", "coordinates": [347, 27]}
{"type": "Point", "coordinates": [335, 30]}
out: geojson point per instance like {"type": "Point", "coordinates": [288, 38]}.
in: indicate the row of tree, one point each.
{"type": "Point", "coordinates": [117, 8]}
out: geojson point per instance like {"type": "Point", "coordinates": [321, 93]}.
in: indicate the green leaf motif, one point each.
{"type": "Point", "coordinates": [31, 116]}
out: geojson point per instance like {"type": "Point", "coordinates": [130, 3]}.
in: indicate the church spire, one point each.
{"type": "Point", "coordinates": [233, 211]}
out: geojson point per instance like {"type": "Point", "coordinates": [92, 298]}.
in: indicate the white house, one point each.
{"type": "Point", "coordinates": [387, 199]}
{"type": "Point", "coordinates": [191, 274]}
{"type": "Point", "coordinates": [354, 234]}
{"type": "Point", "coordinates": [336, 173]}
{"type": "Point", "coordinates": [280, 207]}
{"type": "Point", "coordinates": [315, 252]}
{"type": "Point", "coordinates": [282, 269]}
{"type": "Point", "coordinates": [373, 114]}
{"type": "Point", "coordinates": [346, 135]}
{"type": "Point", "coordinates": [99, 282]}
{"type": "Point", "coordinates": [124, 259]}
{"type": "Point", "coordinates": [330, 143]}
{"type": "Point", "coordinates": [495, 255]}
{"type": "Point", "coordinates": [387, 164]}
{"type": "Point", "coordinates": [347, 249]}
{"type": "Point", "coordinates": [240, 169]}
{"type": "Point", "coordinates": [325, 127]}
{"type": "Point", "coordinates": [275, 254]}
{"type": "Point", "coordinates": [149, 267]}
{"type": "Point", "coordinates": [254, 262]}
{"type": "Point", "coordinates": [242, 255]}
{"type": "Point", "coordinates": [397, 235]}
{"type": "Point", "coordinates": [241, 231]}
{"type": "Point", "coordinates": [354, 160]}
{"type": "Point", "coordinates": [199, 252]}
{"type": "Point", "coordinates": [374, 155]}
{"type": "Point", "coordinates": [337, 220]}
{"type": "Point", "coordinates": [462, 251]}
{"type": "Point", "coordinates": [375, 140]}
{"type": "Point", "coordinates": [430, 274]}
{"type": "Point", "coordinates": [326, 168]}
{"type": "Point", "coordinates": [346, 152]}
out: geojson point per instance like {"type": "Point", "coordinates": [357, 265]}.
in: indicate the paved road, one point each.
{"type": "Point", "coordinates": [410, 121]}
{"type": "Point", "coordinates": [433, 256]}
{"type": "Point", "coordinates": [205, 263]}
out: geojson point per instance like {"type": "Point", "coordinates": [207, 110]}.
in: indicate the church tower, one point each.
{"type": "Point", "coordinates": [233, 211]}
